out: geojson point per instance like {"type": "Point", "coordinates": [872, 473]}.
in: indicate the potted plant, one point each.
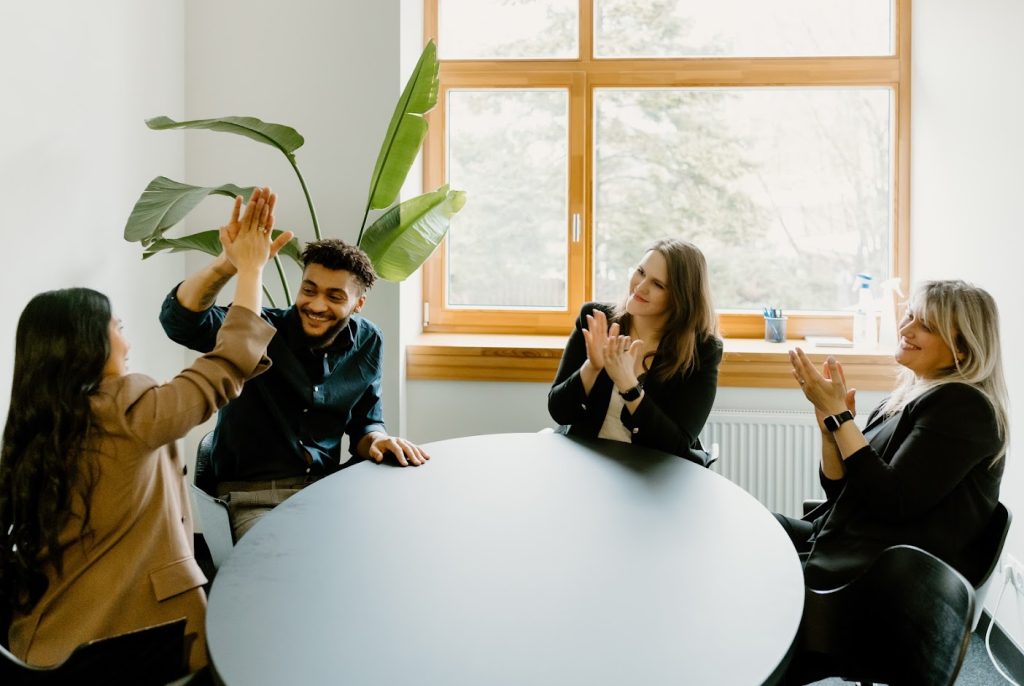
{"type": "Point", "coordinates": [397, 242]}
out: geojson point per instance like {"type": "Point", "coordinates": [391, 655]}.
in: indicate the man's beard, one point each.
{"type": "Point", "coordinates": [326, 338]}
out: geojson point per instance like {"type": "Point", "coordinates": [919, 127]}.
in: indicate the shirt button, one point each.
{"type": "Point", "coordinates": [636, 431]}
{"type": "Point", "coordinates": [305, 410]}
{"type": "Point", "coordinates": [583, 405]}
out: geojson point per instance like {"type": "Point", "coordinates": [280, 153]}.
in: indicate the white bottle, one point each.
{"type": "Point", "coordinates": [865, 322]}
{"type": "Point", "coordinates": [888, 334]}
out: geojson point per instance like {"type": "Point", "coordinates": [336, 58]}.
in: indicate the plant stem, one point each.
{"type": "Point", "coordinates": [309, 203]}
{"type": "Point", "coordinates": [362, 227]}
{"type": "Point", "coordinates": [284, 281]}
{"type": "Point", "coordinates": [270, 298]}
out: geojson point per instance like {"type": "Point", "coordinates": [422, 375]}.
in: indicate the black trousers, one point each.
{"type": "Point", "coordinates": [805, 667]}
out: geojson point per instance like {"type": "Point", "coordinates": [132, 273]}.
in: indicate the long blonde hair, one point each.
{"type": "Point", "coordinates": [967, 319]}
{"type": "Point", "coordinates": [691, 313]}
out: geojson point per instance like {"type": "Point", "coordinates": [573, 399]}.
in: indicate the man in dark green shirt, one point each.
{"type": "Point", "coordinates": [284, 430]}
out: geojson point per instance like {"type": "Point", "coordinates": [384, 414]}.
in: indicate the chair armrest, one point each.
{"type": "Point", "coordinates": [810, 504]}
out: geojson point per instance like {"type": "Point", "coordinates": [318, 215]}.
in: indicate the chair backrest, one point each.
{"type": "Point", "coordinates": [204, 477]}
{"type": "Point", "coordinates": [153, 656]}
{"type": "Point", "coordinates": [905, 620]}
{"type": "Point", "coordinates": [212, 514]}
{"type": "Point", "coordinates": [982, 557]}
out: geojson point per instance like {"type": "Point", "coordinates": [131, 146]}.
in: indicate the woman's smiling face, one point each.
{"type": "Point", "coordinates": [648, 287]}
{"type": "Point", "coordinates": [922, 350]}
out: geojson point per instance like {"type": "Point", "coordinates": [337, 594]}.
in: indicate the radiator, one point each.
{"type": "Point", "coordinates": [774, 456]}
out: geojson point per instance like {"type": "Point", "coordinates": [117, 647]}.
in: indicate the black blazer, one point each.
{"type": "Point", "coordinates": [925, 479]}
{"type": "Point", "coordinates": [670, 416]}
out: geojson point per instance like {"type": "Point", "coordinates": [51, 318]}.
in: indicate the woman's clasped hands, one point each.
{"type": "Point", "coordinates": [607, 350]}
{"type": "Point", "coordinates": [825, 389]}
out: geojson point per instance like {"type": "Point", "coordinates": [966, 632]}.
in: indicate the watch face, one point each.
{"type": "Point", "coordinates": [632, 394]}
{"type": "Point", "coordinates": [833, 422]}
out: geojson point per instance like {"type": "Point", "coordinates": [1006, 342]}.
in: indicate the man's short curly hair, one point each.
{"type": "Point", "coordinates": [335, 254]}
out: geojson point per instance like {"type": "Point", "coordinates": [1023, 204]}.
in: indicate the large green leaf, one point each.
{"type": "Point", "coordinates": [406, 131]}
{"type": "Point", "coordinates": [284, 138]}
{"type": "Point", "coordinates": [164, 203]}
{"type": "Point", "coordinates": [209, 243]}
{"type": "Point", "coordinates": [404, 237]}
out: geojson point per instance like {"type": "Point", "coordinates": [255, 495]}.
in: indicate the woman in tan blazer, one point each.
{"type": "Point", "coordinates": [95, 523]}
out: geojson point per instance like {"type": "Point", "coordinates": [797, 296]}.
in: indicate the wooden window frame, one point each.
{"type": "Point", "coordinates": [581, 76]}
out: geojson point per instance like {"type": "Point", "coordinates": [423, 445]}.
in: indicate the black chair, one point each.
{"type": "Point", "coordinates": [981, 557]}
{"type": "Point", "coordinates": [905, 621]}
{"type": "Point", "coordinates": [204, 477]}
{"type": "Point", "coordinates": [153, 656]}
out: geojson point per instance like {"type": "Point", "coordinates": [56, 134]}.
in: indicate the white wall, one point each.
{"type": "Point", "coordinates": [77, 81]}
{"type": "Point", "coordinates": [968, 144]}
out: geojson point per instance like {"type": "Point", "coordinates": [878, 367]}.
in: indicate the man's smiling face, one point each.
{"type": "Point", "coordinates": [326, 300]}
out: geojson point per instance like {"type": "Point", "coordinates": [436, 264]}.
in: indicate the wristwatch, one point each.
{"type": "Point", "coordinates": [633, 393]}
{"type": "Point", "coordinates": [837, 420]}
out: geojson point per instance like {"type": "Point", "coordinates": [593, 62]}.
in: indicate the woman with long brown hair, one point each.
{"type": "Point", "coordinates": [645, 371]}
{"type": "Point", "coordinates": [95, 524]}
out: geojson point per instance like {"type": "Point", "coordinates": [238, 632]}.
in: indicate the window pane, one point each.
{"type": "Point", "coordinates": [787, 191]}
{"type": "Point", "coordinates": [509, 150]}
{"type": "Point", "coordinates": [742, 28]}
{"type": "Point", "coordinates": [500, 29]}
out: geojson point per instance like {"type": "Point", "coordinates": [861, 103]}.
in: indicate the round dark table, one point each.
{"type": "Point", "coordinates": [511, 559]}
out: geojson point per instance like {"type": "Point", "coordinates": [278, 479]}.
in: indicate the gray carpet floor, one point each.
{"type": "Point", "coordinates": [977, 670]}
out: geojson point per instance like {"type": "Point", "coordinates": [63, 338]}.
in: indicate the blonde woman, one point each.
{"type": "Point", "coordinates": [926, 469]}
{"type": "Point", "coordinates": [645, 372]}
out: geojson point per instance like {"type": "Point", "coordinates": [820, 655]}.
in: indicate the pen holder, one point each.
{"type": "Point", "coordinates": [775, 329]}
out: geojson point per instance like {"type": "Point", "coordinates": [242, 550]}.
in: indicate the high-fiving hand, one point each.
{"type": "Point", "coordinates": [247, 238]}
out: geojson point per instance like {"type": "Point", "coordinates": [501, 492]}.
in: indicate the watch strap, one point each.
{"type": "Point", "coordinates": [833, 422]}
{"type": "Point", "coordinates": [633, 393]}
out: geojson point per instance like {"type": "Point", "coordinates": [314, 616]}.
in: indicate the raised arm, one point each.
{"type": "Point", "coordinates": [157, 414]}
{"type": "Point", "coordinates": [582, 362]}
{"type": "Point", "coordinates": [199, 291]}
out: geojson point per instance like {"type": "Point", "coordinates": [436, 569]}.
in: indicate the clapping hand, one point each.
{"type": "Point", "coordinates": [620, 355]}
{"type": "Point", "coordinates": [607, 350]}
{"type": "Point", "coordinates": [596, 335]}
{"type": "Point", "coordinates": [826, 390]}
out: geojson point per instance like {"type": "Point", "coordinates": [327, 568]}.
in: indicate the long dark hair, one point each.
{"type": "Point", "coordinates": [61, 348]}
{"type": "Point", "coordinates": [691, 315]}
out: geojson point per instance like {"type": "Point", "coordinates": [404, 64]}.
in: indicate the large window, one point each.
{"type": "Point", "coordinates": [772, 135]}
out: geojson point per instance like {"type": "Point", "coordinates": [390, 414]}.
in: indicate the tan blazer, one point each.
{"type": "Point", "coordinates": [134, 566]}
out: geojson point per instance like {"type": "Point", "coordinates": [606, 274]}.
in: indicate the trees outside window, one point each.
{"type": "Point", "coordinates": [772, 135]}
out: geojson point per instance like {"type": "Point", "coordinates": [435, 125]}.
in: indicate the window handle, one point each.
{"type": "Point", "coordinates": [575, 227]}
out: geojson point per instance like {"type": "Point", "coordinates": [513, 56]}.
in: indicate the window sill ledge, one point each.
{"type": "Point", "coordinates": [747, 362]}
